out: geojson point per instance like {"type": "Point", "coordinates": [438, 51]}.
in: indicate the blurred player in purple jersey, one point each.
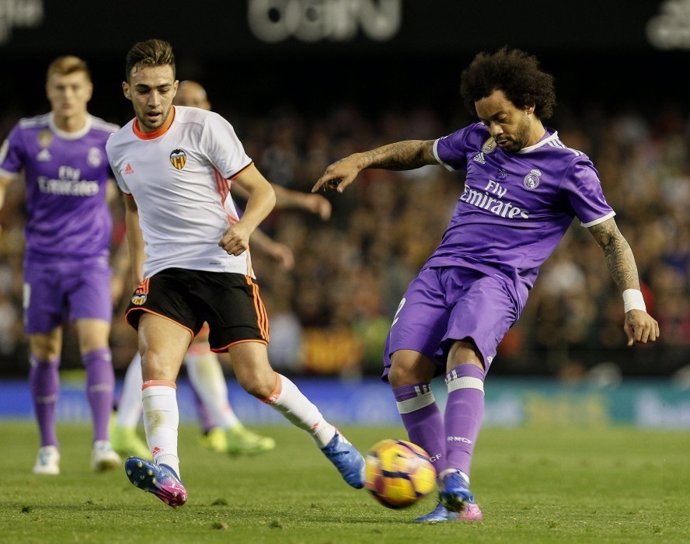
{"type": "Point", "coordinates": [66, 263]}
{"type": "Point", "coordinates": [522, 190]}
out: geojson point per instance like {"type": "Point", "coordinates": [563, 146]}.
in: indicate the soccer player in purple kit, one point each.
{"type": "Point", "coordinates": [523, 187]}
{"type": "Point", "coordinates": [66, 262]}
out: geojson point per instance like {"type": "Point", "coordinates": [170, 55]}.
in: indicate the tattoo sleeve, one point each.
{"type": "Point", "coordinates": [618, 255]}
{"type": "Point", "coordinates": [405, 155]}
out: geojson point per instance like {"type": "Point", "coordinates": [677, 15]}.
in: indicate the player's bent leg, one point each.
{"type": "Point", "coordinates": [207, 378]}
{"type": "Point", "coordinates": [123, 425]}
{"type": "Point", "coordinates": [208, 389]}
{"type": "Point", "coordinates": [257, 377]}
{"type": "Point", "coordinates": [410, 377]}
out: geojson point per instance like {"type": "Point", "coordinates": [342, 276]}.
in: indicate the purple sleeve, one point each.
{"type": "Point", "coordinates": [12, 154]}
{"type": "Point", "coordinates": [585, 195]}
{"type": "Point", "coordinates": [451, 151]}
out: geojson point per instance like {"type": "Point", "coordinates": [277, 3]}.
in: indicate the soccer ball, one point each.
{"type": "Point", "coordinates": [398, 473]}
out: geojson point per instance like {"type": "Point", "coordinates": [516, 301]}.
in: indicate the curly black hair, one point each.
{"type": "Point", "coordinates": [514, 72]}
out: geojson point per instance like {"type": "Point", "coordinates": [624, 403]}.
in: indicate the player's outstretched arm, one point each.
{"type": "Point", "coordinates": [280, 253]}
{"type": "Point", "coordinates": [287, 198]}
{"type": "Point", "coordinates": [316, 204]}
{"type": "Point", "coordinates": [405, 155]}
{"type": "Point", "coordinates": [639, 325]}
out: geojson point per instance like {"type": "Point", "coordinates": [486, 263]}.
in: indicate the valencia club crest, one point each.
{"type": "Point", "coordinates": [178, 158]}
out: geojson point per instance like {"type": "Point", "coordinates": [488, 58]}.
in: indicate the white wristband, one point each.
{"type": "Point", "coordinates": [632, 300]}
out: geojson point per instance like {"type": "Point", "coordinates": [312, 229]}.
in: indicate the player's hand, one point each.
{"type": "Point", "coordinates": [117, 288]}
{"type": "Point", "coordinates": [235, 240]}
{"type": "Point", "coordinates": [338, 175]}
{"type": "Point", "coordinates": [320, 206]}
{"type": "Point", "coordinates": [282, 255]}
{"type": "Point", "coordinates": [640, 327]}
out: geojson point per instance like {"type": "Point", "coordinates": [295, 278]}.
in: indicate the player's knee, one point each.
{"type": "Point", "coordinates": [405, 373]}
{"type": "Point", "coordinates": [257, 384]}
{"type": "Point", "coordinates": [44, 348]}
{"type": "Point", "coordinates": [156, 367]}
{"type": "Point", "coordinates": [258, 389]}
{"type": "Point", "coordinates": [465, 352]}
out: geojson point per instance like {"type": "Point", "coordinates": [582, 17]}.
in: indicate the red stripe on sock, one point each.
{"type": "Point", "coordinates": [273, 397]}
{"type": "Point", "coordinates": [153, 383]}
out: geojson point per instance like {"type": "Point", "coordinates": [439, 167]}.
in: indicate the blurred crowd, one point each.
{"type": "Point", "coordinates": [330, 314]}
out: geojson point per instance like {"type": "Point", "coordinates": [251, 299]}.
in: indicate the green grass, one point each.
{"type": "Point", "coordinates": [534, 485]}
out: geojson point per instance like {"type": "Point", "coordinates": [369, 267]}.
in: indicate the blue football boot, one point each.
{"type": "Point", "coordinates": [346, 459]}
{"type": "Point", "coordinates": [161, 480]}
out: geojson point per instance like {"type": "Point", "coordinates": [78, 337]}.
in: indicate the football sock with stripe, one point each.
{"type": "Point", "coordinates": [464, 413]}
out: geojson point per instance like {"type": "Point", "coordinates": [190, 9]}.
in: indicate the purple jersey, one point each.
{"type": "Point", "coordinates": [66, 176]}
{"type": "Point", "coordinates": [515, 207]}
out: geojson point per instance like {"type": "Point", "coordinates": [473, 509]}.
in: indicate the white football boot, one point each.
{"type": "Point", "coordinates": [47, 461]}
{"type": "Point", "coordinates": [104, 457]}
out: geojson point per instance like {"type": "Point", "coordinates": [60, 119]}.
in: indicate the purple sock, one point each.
{"type": "Point", "coordinates": [201, 411]}
{"type": "Point", "coordinates": [100, 385]}
{"type": "Point", "coordinates": [44, 382]}
{"type": "Point", "coordinates": [464, 413]}
{"type": "Point", "coordinates": [422, 419]}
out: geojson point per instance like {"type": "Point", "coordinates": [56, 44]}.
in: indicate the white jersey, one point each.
{"type": "Point", "coordinates": [179, 178]}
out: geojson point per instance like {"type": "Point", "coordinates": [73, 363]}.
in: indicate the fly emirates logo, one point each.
{"type": "Point", "coordinates": [69, 183]}
{"type": "Point", "coordinates": [491, 199]}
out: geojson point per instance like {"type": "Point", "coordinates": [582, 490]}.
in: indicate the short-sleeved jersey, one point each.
{"type": "Point", "coordinates": [66, 174]}
{"type": "Point", "coordinates": [515, 207]}
{"type": "Point", "coordinates": [178, 177]}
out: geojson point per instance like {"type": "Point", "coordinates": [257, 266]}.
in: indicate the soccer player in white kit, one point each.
{"type": "Point", "coordinates": [189, 248]}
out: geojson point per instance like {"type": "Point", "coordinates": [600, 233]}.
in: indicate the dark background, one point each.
{"type": "Point", "coordinates": [607, 56]}
{"type": "Point", "coordinates": [598, 50]}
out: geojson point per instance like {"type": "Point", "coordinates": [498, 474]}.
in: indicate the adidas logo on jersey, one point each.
{"type": "Point", "coordinates": [479, 157]}
{"type": "Point", "coordinates": [127, 169]}
{"type": "Point", "coordinates": [44, 156]}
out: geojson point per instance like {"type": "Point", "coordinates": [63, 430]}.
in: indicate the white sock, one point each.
{"type": "Point", "coordinates": [129, 406]}
{"type": "Point", "coordinates": [207, 377]}
{"type": "Point", "coordinates": [161, 421]}
{"type": "Point", "coordinates": [300, 411]}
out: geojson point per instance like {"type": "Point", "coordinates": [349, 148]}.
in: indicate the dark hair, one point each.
{"type": "Point", "coordinates": [149, 53]}
{"type": "Point", "coordinates": [514, 72]}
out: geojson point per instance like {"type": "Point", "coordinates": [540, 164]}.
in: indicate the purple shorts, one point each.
{"type": "Point", "coordinates": [58, 291]}
{"type": "Point", "coordinates": [442, 305]}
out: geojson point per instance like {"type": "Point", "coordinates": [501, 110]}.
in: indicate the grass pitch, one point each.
{"type": "Point", "coordinates": [534, 485]}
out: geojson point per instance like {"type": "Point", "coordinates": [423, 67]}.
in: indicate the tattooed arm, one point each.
{"type": "Point", "coordinates": [405, 155]}
{"type": "Point", "coordinates": [639, 325]}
